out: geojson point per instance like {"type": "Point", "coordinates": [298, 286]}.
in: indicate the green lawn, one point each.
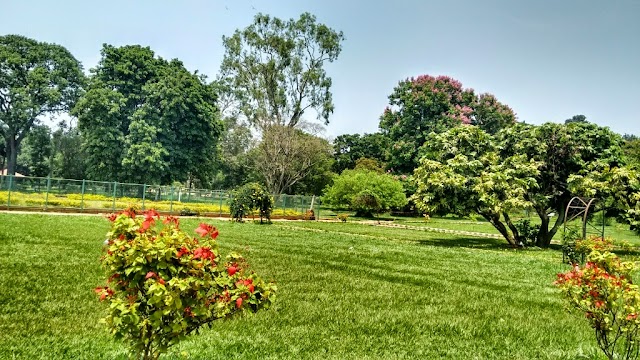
{"type": "Point", "coordinates": [346, 291]}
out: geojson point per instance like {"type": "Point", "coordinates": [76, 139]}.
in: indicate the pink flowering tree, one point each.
{"type": "Point", "coordinates": [419, 106]}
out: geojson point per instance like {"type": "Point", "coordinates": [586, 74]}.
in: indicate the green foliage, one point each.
{"type": "Point", "coordinates": [164, 285]}
{"type": "Point", "coordinates": [36, 79]}
{"type": "Point", "coordinates": [147, 120]}
{"type": "Point", "coordinates": [349, 148]}
{"type": "Point", "coordinates": [618, 188]}
{"type": "Point", "coordinates": [462, 173]}
{"type": "Point", "coordinates": [604, 291]}
{"type": "Point", "coordinates": [36, 151]}
{"type": "Point", "coordinates": [287, 156]}
{"type": "Point", "coordinates": [419, 106]}
{"type": "Point", "coordinates": [368, 164]}
{"type": "Point", "coordinates": [68, 158]}
{"type": "Point", "coordinates": [274, 69]}
{"type": "Point", "coordinates": [527, 232]}
{"type": "Point", "coordinates": [249, 197]}
{"type": "Point", "coordinates": [562, 151]}
{"type": "Point", "coordinates": [365, 191]}
{"type": "Point", "coordinates": [631, 150]}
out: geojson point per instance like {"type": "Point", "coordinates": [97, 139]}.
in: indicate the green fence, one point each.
{"type": "Point", "coordinates": [50, 193]}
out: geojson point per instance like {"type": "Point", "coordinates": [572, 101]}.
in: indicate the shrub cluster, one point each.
{"type": "Point", "coordinates": [164, 285]}
{"type": "Point", "coordinates": [603, 290]}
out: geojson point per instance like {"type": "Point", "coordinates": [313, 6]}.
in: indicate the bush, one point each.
{"type": "Point", "coordinates": [527, 232]}
{"type": "Point", "coordinates": [604, 291]}
{"type": "Point", "coordinates": [249, 197]}
{"type": "Point", "coordinates": [366, 192]}
{"type": "Point", "coordinates": [163, 284]}
{"type": "Point", "coordinates": [343, 217]}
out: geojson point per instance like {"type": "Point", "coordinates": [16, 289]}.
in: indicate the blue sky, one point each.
{"type": "Point", "coordinates": [547, 59]}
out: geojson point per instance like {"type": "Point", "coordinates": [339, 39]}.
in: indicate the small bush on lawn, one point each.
{"type": "Point", "coordinates": [603, 290]}
{"type": "Point", "coordinates": [367, 192]}
{"type": "Point", "coordinates": [248, 198]}
{"type": "Point", "coordinates": [164, 285]}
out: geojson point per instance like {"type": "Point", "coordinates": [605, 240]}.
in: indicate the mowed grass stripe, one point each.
{"type": "Point", "coordinates": [341, 296]}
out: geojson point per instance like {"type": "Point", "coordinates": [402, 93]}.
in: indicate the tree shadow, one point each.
{"type": "Point", "coordinates": [467, 242]}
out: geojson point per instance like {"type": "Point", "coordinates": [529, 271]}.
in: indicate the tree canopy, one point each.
{"type": "Point", "coordinates": [348, 148]}
{"type": "Point", "coordinates": [286, 156]}
{"type": "Point", "coordinates": [419, 106]}
{"type": "Point", "coordinates": [147, 120]}
{"type": "Point", "coordinates": [36, 79]}
{"type": "Point", "coordinates": [466, 170]}
{"type": "Point", "coordinates": [367, 192]}
{"type": "Point", "coordinates": [275, 69]}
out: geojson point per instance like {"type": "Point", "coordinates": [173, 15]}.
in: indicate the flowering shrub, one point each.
{"type": "Point", "coordinates": [592, 243]}
{"type": "Point", "coordinates": [164, 285]}
{"type": "Point", "coordinates": [604, 291]}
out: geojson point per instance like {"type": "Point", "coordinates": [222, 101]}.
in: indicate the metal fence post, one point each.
{"type": "Point", "coordinates": [9, 194]}
{"type": "Point", "coordinates": [113, 207]}
{"type": "Point", "coordinates": [82, 196]}
{"type": "Point", "coordinates": [171, 201]}
{"type": "Point", "coordinates": [46, 196]}
{"type": "Point", "coordinates": [220, 209]}
{"type": "Point", "coordinates": [144, 194]}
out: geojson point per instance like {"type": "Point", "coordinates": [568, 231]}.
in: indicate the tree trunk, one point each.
{"type": "Point", "coordinates": [495, 221]}
{"type": "Point", "coordinates": [516, 236]}
{"type": "Point", "coordinates": [12, 155]}
{"type": "Point", "coordinates": [545, 234]}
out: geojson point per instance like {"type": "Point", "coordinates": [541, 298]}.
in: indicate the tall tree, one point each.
{"type": "Point", "coordinates": [285, 156]}
{"type": "Point", "coordinates": [419, 106]}
{"type": "Point", "coordinates": [68, 161]}
{"type": "Point", "coordinates": [276, 69]}
{"type": "Point", "coordinates": [36, 79]}
{"type": "Point", "coordinates": [145, 119]}
{"type": "Point", "coordinates": [36, 151]}
{"type": "Point", "coordinates": [466, 170]}
{"type": "Point", "coordinates": [349, 148]}
{"type": "Point", "coordinates": [563, 150]}
{"type": "Point", "coordinates": [462, 172]}
{"type": "Point", "coordinates": [631, 149]}
{"type": "Point", "coordinates": [576, 118]}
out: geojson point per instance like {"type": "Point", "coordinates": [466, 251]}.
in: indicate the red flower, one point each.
{"type": "Point", "coordinates": [251, 288]}
{"type": "Point", "coordinates": [203, 253]}
{"type": "Point", "coordinates": [239, 303]}
{"type": "Point", "coordinates": [187, 311]}
{"type": "Point", "coordinates": [150, 274]}
{"type": "Point", "coordinates": [182, 251]}
{"type": "Point", "coordinates": [146, 225]}
{"type": "Point", "coordinates": [632, 316]}
{"type": "Point", "coordinates": [171, 220]}
{"type": "Point", "coordinates": [206, 229]}
{"type": "Point", "coordinates": [599, 303]}
{"type": "Point", "coordinates": [231, 270]}
{"type": "Point", "coordinates": [150, 214]}
{"type": "Point", "coordinates": [161, 281]}
{"type": "Point", "coordinates": [112, 217]}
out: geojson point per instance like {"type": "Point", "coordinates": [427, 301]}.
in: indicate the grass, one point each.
{"type": "Point", "coordinates": [346, 291]}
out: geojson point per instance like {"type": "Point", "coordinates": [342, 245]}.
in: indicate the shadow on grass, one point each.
{"type": "Point", "coordinates": [468, 242]}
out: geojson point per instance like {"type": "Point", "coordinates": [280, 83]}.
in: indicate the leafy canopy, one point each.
{"type": "Point", "coordinates": [462, 172]}
{"type": "Point", "coordinates": [366, 192]}
{"type": "Point", "coordinates": [147, 120]}
{"type": "Point", "coordinates": [419, 106]}
{"type": "Point", "coordinates": [275, 69]}
{"type": "Point", "coordinates": [36, 79]}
